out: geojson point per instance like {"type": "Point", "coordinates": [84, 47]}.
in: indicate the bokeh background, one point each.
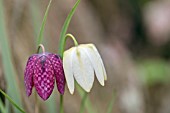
{"type": "Point", "coordinates": [132, 36]}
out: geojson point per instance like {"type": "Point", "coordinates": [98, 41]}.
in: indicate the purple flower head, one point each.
{"type": "Point", "coordinates": [41, 72]}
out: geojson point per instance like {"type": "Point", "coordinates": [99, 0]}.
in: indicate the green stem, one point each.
{"type": "Point", "coordinates": [61, 104]}
{"type": "Point", "coordinates": [62, 42]}
{"type": "Point", "coordinates": [65, 27]}
{"type": "Point", "coordinates": [61, 54]}
{"type": "Point", "coordinates": [87, 104]}
{"type": "Point", "coordinates": [20, 109]}
{"type": "Point", "coordinates": [83, 102]}
{"type": "Point", "coordinates": [42, 47]}
{"type": "Point", "coordinates": [110, 107]}
{"type": "Point", "coordinates": [40, 38]}
{"type": "Point", "coordinates": [2, 107]}
{"type": "Point", "coordinates": [72, 37]}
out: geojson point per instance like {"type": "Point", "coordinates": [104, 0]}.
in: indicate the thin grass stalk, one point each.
{"type": "Point", "coordinates": [13, 103]}
{"type": "Point", "coordinates": [9, 70]}
{"type": "Point", "coordinates": [82, 106]}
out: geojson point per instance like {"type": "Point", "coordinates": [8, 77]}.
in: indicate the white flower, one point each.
{"type": "Point", "coordinates": [81, 62]}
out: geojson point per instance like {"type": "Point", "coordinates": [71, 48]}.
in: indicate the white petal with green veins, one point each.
{"type": "Point", "coordinates": [100, 59]}
{"type": "Point", "coordinates": [83, 70]}
{"type": "Point", "coordinates": [95, 61]}
{"type": "Point", "coordinates": [68, 68]}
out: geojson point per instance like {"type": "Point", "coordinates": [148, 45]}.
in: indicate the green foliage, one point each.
{"type": "Point", "coordinates": [13, 103]}
{"type": "Point", "coordinates": [110, 107]}
{"type": "Point", "coordinates": [2, 107]}
{"type": "Point", "coordinates": [154, 71]}
{"type": "Point", "coordinates": [40, 37]}
{"type": "Point", "coordinates": [87, 104]}
{"type": "Point", "coordinates": [10, 74]}
{"type": "Point", "coordinates": [83, 101]}
{"type": "Point", "coordinates": [65, 27]}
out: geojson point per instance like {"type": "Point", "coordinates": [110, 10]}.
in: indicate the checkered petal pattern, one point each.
{"type": "Point", "coordinates": [59, 72]}
{"type": "Point", "coordinates": [41, 71]}
{"type": "Point", "coordinates": [28, 74]}
{"type": "Point", "coordinates": [44, 77]}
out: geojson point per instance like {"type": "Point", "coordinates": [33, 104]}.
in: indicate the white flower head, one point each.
{"type": "Point", "coordinates": [81, 62]}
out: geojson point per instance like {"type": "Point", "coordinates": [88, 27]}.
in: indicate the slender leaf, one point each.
{"type": "Point", "coordinates": [7, 105]}
{"type": "Point", "coordinates": [65, 27]}
{"type": "Point", "coordinates": [88, 104]}
{"type": "Point", "coordinates": [10, 74]}
{"type": "Point", "coordinates": [2, 107]}
{"type": "Point", "coordinates": [83, 101]}
{"type": "Point", "coordinates": [13, 103]}
{"type": "Point", "coordinates": [40, 38]}
{"type": "Point", "coordinates": [110, 107]}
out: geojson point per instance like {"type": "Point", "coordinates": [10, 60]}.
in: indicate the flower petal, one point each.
{"type": "Point", "coordinates": [44, 77]}
{"type": "Point", "coordinates": [28, 74]}
{"type": "Point", "coordinates": [82, 69]}
{"type": "Point", "coordinates": [67, 64]}
{"type": "Point", "coordinates": [59, 72]}
{"type": "Point", "coordinates": [99, 58]}
{"type": "Point", "coordinates": [95, 62]}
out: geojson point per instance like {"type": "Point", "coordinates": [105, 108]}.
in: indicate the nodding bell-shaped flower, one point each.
{"type": "Point", "coordinates": [41, 71]}
{"type": "Point", "coordinates": [81, 62]}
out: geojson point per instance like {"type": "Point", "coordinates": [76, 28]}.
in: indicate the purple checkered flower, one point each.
{"type": "Point", "coordinates": [41, 72]}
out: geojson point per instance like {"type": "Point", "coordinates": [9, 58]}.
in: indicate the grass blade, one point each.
{"type": "Point", "coordinates": [88, 104]}
{"type": "Point", "coordinates": [65, 27]}
{"type": "Point", "coordinates": [13, 103]}
{"type": "Point", "coordinates": [39, 41]}
{"type": "Point", "coordinates": [110, 107]}
{"type": "Point", "coordinates": [83, 101]}
{"type": "Point", "coordinates": [10, 74]}
{"type": "Point", "coordinates": [2, 108]}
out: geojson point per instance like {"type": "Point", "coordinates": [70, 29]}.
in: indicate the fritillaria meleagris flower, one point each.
{"type": "Point", "coordinates": [81, 62]}
{"type": "Point", "coordinates": [41, 71]}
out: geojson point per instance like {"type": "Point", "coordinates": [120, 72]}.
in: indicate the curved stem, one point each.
{"type": "Point", "coordinates": [72, 37]}
{"type": "Point", "coordinates": [64, 43]}
{"type": "Point", "coordinates": [42, 47]}
{"type": "Point", "coordinates": [61, 54]}
{"type": "Point", "coordinates": [65, 27]}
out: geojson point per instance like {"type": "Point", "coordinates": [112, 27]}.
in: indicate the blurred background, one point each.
{"type": "Point", "coordinates": [132, 36]}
